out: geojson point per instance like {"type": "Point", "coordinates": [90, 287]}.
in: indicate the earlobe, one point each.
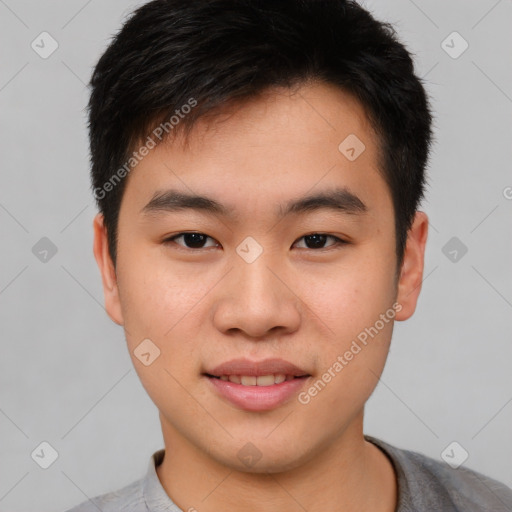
{"type": "Point", "coordinates": [411, 276]}
{"type": "Point", "coordinates": [107, 270]}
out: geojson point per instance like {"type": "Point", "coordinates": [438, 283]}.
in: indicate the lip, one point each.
{"type": "Point", "coordinates": [245, 366]}
{"type": "Point", "coordinates": [256, 398]}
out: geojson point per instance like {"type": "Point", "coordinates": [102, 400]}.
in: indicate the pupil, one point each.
{"type": "Point", "coordinates": [318, 240]}
{"type": "Point", "coordinates": [194, 239]}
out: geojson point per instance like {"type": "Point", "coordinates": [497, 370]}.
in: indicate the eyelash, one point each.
{"type": "Point", "coordinates": [338, 241]}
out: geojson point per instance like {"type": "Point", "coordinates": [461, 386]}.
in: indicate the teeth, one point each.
{"type": "Point", "coordinates": [265, 380]}
{"type": "Point", "coordinates": [251, 380]}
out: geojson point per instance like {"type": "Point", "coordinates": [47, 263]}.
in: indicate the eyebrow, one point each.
{"type": "Point", "coordinates": [339, 200]}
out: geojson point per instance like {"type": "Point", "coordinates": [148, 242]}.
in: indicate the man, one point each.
{"type": "Point", "coordinates": [258, 167]}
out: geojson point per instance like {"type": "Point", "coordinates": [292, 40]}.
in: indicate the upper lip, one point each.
{"type": "Point", "coordinates": [245, 366]}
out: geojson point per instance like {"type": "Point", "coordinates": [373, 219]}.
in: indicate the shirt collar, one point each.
{"type": "Point", "coordinates": [155, 496]}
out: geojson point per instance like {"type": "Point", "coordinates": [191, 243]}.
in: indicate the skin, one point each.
{"type": "Point", "coordinates": [304, 304]}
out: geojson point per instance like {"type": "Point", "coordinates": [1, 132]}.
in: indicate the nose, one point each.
{"type": "Point", "coordinates": [258, 299]}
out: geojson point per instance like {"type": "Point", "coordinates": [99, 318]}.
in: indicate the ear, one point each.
{"type": "Point", "coordinates": [107, 270]}
{"type": "Point", "coordinates": [411, 275]}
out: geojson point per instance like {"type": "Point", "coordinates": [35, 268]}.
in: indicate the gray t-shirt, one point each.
{"type": "Point", "coordinates": [424, 485]}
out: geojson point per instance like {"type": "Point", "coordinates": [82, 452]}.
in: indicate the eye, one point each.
{"type": "Point", "coordinates": [317, 241]}
{"type": "Point", "coordinates": [195, 240]}
{"type": "Point", "coordinates": [192, 240]}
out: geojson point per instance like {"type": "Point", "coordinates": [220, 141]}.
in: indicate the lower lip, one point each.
{"type": "Point", "coordinates": [257, 398]}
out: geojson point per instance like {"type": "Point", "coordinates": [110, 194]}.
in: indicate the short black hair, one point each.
{"type": "Point", "coordinates": [176, 61]}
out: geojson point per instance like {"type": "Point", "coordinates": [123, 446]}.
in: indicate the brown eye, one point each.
{"type": "Point", "coordinates": [318, 240]}
{"type": "Point", "coordinates": [191, 240]}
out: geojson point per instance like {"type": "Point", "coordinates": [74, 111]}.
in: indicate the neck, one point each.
{"type": "Point", "coordinates": [349, 475]}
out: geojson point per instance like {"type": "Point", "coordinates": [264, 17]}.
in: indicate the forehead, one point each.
{"type": "Point", "coordinates": [268, 150]}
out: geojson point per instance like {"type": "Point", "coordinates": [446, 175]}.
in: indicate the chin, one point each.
{"type": "Point", "coordinates": [264, 459]}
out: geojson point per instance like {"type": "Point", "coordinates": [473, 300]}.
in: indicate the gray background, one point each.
{"type": "Point", "coordinates": [65, 374]}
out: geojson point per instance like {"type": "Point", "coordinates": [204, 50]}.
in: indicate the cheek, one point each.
{"type": "Point", "coordinates": [160, 304]}
{"type": "Point", "coordinates": [351, 297]}
{"type": "Point", "coordinates": [166, 303]}
{"type": "Point", "coordinates": [154, 300]}
{"type": "Point", "coordinates": [359, 312]}
{"type": "Point", "coordinates": [357, 306]}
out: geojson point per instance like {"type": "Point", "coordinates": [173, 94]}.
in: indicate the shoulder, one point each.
{"type": "Point", "coordinates": [129, 499]}
{"type": "Point", "coordinates": [428, 484]}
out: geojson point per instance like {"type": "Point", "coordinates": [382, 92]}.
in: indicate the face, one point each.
{"type": "Point", "coordinates": [262, 273]}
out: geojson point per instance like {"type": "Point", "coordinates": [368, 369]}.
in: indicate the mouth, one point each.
{"type": "Point", "coordinates": [256, 385]}
{"type": "Point", "coordinates": [261, 380]}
